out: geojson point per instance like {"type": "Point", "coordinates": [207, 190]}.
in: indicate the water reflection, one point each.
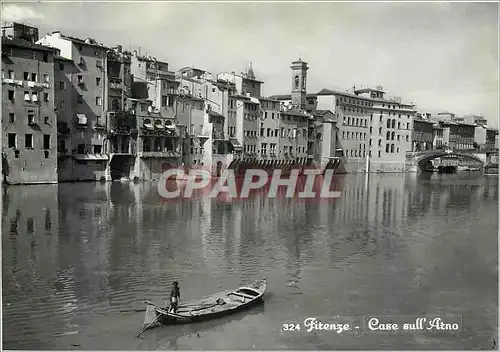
{"type": "Point", "coordinates": [74, 255]}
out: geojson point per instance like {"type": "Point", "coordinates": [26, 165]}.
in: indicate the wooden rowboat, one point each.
{"type": "Point", "coordinates": [210, 307]}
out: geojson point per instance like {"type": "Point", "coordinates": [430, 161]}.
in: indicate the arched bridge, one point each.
{"type": "Point", "coordinates": [419, 159]}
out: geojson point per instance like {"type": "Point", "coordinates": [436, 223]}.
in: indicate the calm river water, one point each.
{"type": "Point", "coordinates": [79, 259]}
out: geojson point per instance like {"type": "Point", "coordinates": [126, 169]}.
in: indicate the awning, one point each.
{"type": "Point", "coordinates": [236, 144]}
{"type": "Point", "coordinates": [90, 157]}
{"type": "Point", "coordinates": [82, 119]}
{"type": "Point", "coordinates": [148, 126]}
{"type": "Point", "coordinates": [170, 127]}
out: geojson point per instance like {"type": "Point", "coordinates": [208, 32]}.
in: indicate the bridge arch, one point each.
{"type": "Point", "coordinates": [425, 157]}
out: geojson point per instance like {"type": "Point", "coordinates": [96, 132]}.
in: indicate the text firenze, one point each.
{"type": "Point", "coordinates": [312, 184]}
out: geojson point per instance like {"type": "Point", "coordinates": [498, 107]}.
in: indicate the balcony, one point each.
{"type": "Point", "coordinates": [122, 123]}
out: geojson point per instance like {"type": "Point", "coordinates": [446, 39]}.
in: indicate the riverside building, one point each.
{"type": "Point", "coordinates": [29, 143]}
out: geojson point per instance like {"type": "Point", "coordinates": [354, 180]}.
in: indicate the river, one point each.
{"type": "Point", "coordinates": [79, 259]}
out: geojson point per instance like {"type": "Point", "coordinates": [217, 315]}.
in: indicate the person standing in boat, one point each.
{"type": "Point", "coordinates": [175, 296]}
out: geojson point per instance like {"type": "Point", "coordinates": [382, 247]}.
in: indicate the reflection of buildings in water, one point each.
{"type": "Point", "coordinates": [84, 226]}
{"type": "Point", "coordinates": [30, 222]}
{"type": "Point", "coordinates": [30, 239]}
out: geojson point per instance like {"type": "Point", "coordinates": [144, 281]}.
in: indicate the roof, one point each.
{"type": "Point", "coordinates": [416, 119]}
{"type": "Point", "coordinates": [82, 41]}
{"type": "Point", "coordinates": [289, 96]}
{"type": "Point", "coordinates": [321, 112]}
{"type": "Point", "coordinates": [335, 92]}
{"type": "Point", "coordinates": [268, 99]}
{"type": "Point", "coordinates": [216, 114]}
{"type": "Point", "coordinates": [294, 113]}
{"type": "Point", "coordinates": [186, 68]}
{"type": "Point", "coordinates": [20, 43]}
{"type": "Point", "coordinates": [61, 58]}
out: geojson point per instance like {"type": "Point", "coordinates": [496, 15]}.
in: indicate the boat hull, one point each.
{"type": "Point", "coordinates": [215, 306]}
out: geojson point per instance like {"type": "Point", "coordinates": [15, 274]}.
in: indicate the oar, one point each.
{"type": "Point", "coordinates": [147, 327]}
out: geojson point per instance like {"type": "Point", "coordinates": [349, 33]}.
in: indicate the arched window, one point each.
{"type": "Point", "coordinates": [392, 135]}
{"type": "Point", "coordinates": [296, 82]}
{"type": "Point", "coordinates": [303, 83]}
{"type": "Point", "coordinates": [387, 148]}
{"type": "Point", "coordinates": [388, 123]}
{"type": "Point", "coordinates": [380, 130]}
{"type": "Point", "coordinates": [394, 123]}
{"type": "Point", "coordinates": [388, 135]}
{"type": "Point", "coordinates": [379, 142]}
{"type": "Point", "coordinates": [392, 148]}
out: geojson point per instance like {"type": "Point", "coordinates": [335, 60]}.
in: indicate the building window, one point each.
{"type": "Point", "coordinates": [33, 77]}
{"type": "Point", "coordinates": [28, 141]}
{"type": "Point", "coordinates": [11, 95]}
{"type": "Point", "coordinates": [81, 149]}
{"type": "Point", "coordinates": [379, 153]}
{"type": "Point", "coordinates": [27, 96]}
{"type": "Point", "coordinates": [388, 135]}
{"type": "Point", "coordinates": [394, 123]}
{"type": "Point", "coordinates": [31, 117]}
{"type": "Point", "coordinates": [62, 104]}
{"type": "Point", "coordinates": [62, 85]}
{"type": "Point", "coordinates": [47, 120]}
{"type": "Point", "coordinates": [380, 130]}
{"type": "Point", "coordinates": [97, 149]}
{"type": "Point", "coordinates": [11, 74]}
{"type": "Point", "coordinates": [98, 81]}
{"type": "Point", "coordinates": [26, 76]}
{"type": "Point", "coordinates": [387, 148]}
{"type": "Point", "coordinates": [80, 99]}
{"type": "Point", "coordinates": [370, 142]}
{"type": "Point", "coordinates": [398, 137]}
{"type": "Point", "coordinates": [12, 142]}
{"type": "Point", "coordinates": [392, 136]}
{"type": "Point", "coordinates": [46, 78]}
{"type": "Point", "coordinates": [46, 141]}
{"type": "Point", "coordinates": [379, 142]}
{"type": "Point", "coordinates": [397, 150]}
{"type": "Point", "coordinates": [61, 66]}
{"type": "Point", "coordinates": [392, 148]}
{"type": "Point", "coordinates": [45, 97]}
{"type": "Point", "coordinates": [388, 123]}
{"type": "Point", "coordinates": [407, 138]}
{"type": "Point", "coordinates": [12, 118]}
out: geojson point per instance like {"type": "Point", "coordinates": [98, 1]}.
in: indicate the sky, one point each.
{"type": "Point", "coordinates": [440, 56]}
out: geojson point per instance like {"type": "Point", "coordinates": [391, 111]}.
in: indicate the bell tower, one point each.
{"type": "Point", "coordinates": [299, 83]}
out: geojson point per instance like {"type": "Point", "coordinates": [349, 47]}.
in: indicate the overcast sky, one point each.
{"type": "Point", "coordinates": [441, 56]}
